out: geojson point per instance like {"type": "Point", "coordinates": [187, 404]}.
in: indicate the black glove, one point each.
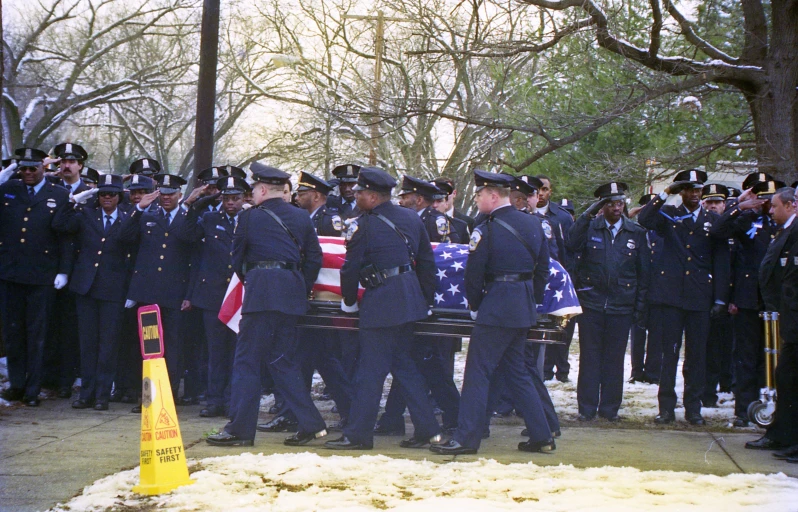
{"type": "Point", "coordinates": [594, 208]}
{"type": "Point", "coordinates": [718, 311]}
{"type": "Point", "coordinates": [678, 186]}
{"type": "Point", "coordinates": [203, 202]}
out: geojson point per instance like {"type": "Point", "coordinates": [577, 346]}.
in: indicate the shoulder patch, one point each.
{"type": "Point", "coordinates": [476, 237]}
{"type": "Point", "coordinates": [442, 225]}
{"type": "Point", "coordinates": [351, 229]}
{"type": "Point", "coordinates": [337, 223]}
{"type": "Point", "coordinates": [546, 228]}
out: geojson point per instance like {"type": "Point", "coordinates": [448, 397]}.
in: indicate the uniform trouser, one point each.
{"type": "Point", "coordinates": [195, 354]}
{"type": "Point", "coordinates": [557, 355]}
{"type": "Point", "coordinates": [695, 327]}
{"type": "Point", "coordinates": [349, 348]}
{"type": "Point", "coordinates": [316, 354]}
{"type": "Point", "coordinates": [26, 310]}
{"type": "Point", "coordinates": [651, 346]}
{"type": "Point", "coordinates": [268, 336]}
{"type": "Point", "coordinates": [128, 368]}
{"type": "Point", "coordinates": [602, 347]}
{"type": "Point", "coordinates": [719, 349]}
{"type": "Point", "coordinates": [784, 428]}
{"type": "Point", "coordinates": [489, 347]}
{"type": "Point", "coordinates": [62, 349]}
{"type": "Point", "coordinates": [749, 359]}
{"type": "Point", "coordinates": [221, 350]}
{"type": "Point", "coordinates": [172, 320]}
{"type": "Point", "coordinates": [431, 355]}
{"type": "Point", "coordinates": [99, 327]}
{"type": "Point", "coordinates": [387, 350]}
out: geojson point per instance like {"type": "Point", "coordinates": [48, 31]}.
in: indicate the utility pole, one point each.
{"type": "Point", "coordinates": [206, 86]}
{"type": "Point", "coordinates": [379, 48]}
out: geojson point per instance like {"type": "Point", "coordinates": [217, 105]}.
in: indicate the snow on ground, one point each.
{"type": "Point", "coordinates": [306, 481]}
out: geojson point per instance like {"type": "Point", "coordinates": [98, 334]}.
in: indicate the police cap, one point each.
{"type": "Point", "coordinates": [145, 166]}
{"type": "Point", "coordinates": [614, 190]}
{"type": "Point", "coordinates": [766, 189]}
{"type": "Point", "coordinates": [374, 179]}
{"type": "Point", "coordinates": [565, 204]}
{"type": "Point", "coordinates": [445, 185]}
{"type": "Point", "coordinates": [110, 183]}
{"type": "Point", "coordinates": [69, 151]}
{"type": "Point", "coordinates": [269, 175]}
{"type": "Point", "coordinates": [30, 157]}
{"type": "Point", "coordinates": [347, 173]}
{"type": "Point", "coordinates": [231, 185]}
{"type": "Point", "coordinates": [645, 198]}
{"type": "Point", "coordinates": [532, 182]}
{"type": "Point", "coordinates": [492, 179]}
{"type": "Point", "coordinates": [141, 182]}
{"type": "Point", "coordinates": [211, 175]}
{"type": "Point", "coordinates": [754, 178]}
{"type": "Point", "coordinates": [522, 186]}
{"type": "Point", "coordinates": [692, 176]}
{"type": "Point", "coordinates": [169, 183]}
{"type": "Point", "coordinates": [715, 191]}
{"type": "Point", "coordinates": [309, 182]}
{"type": "Point", "coordinates": [734, 192]}
{"type": "Point", "coordinates": [89, 175]}
{"type": "Point", "coordinates": [412, 185]}
{"type": "Point", "coordinates": [232, 170]}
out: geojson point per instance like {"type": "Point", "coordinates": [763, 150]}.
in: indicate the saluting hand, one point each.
{"type": "Point", "coordinates": [194, 195]}
{"type": "Point", "coordinates": [147, 199]}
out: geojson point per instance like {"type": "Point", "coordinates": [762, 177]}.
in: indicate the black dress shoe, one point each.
{"type": "Point", "coordinates": [612, 419]}
{"type": "Point", "coordinates": [212, 411]}
{"type": "Point", "coordinates": [787, 453]}
{"type": "Point", "coordinates": [343, 443]}
{"type": "Point", "coordinates": [764, 443]}
{"type": "Point", "coordinates": [136, 409]}
{"type": "Point", "coordinates": [710, 404]}
{"type": "Point", "coordinates": [792, 460]}
{"type": "Point", "coordinates": [64, 392]}
{"type": "Point", "coordinates": [740, 422]}
{"type": "Point", "coordinates": [12, 394]}
{"type": "Point", "coordinates": [101, 406]}
{"type": "Point", "coordinates": [301, 438]}
{"type": "Point", "coordinates": [278, 424]}
{"type": "Point", "coordinates": [664, 418]}
{"type": "Point", "coordinates": [636, 377]}
{"type": "Point", "coordinates": [82, 404]}
{"type": "Point", "coordinates": [187, 400]}
{"type": "Point", "coordinates": [420, 442]}
{"type": "Point", "coordinates": [537, 446]}
{"type": "Point", "coordinates": [129, 399]}
{"type": "Point", "coordinates": [563, 378]}
{"type": "Point", "coordinates": [31, 401]}
{"type": "Point", "coordinates": [695, 418]}
{"type": "Point", "coordinates": [225, 439]}
{"type": "Point", "coordinates": [385, 430]}
{"type": "Point", "coordinates": [586, 417]}
{"type": "Point", "coordinates": [451, 447]}
{"type": "Point", "coordinates": [337, 426]}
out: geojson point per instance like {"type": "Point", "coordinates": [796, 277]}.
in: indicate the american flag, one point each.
{"type": "Point", "coordinates": [559, 298]}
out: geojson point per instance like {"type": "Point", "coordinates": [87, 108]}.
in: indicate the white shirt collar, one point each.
{"type": "Point", "coordinates": [74, 186]}
{"type": "Point", "coordinates": [617, 225]}
{"type": "Point", "coordinates": [314, 212]}
{"type": "Point", "coordinates": [543, 209]}
{"type": "Point", "coordinates": [114, 215]}
{"type": "Point", "coordinates": [789, 221]}
{"type": "Point", "coordinates": [450, 212]}
{"type": "Point", "coordinates": [37, 187]}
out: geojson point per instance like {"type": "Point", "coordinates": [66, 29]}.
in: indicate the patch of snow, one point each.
{"type": "Point", "coordinates": [307, 481]}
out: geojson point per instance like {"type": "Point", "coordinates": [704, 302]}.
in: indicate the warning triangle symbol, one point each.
{"type": "Point", "coordinates": [164, 420]}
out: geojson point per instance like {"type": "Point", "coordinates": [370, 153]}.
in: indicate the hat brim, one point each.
{"type": "Point", "coordinates": [233, 192]}
{"type": "Point", "coordinates": [715, 197]}
{"type": "Point", "coordinates": [29, 163]}
{"type": "Point", "coordinates": [615, 197]}
{"type": "Point", "coordinates": [168, 190]}
{"type": "Point", "coordinates": [110, 188]}
{"type": "Point", "coordinates": [347, 180]}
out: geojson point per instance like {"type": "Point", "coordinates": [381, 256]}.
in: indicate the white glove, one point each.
{"type": "Point", "coordinates": [60, 281]}
{"type": "Point", "coordinates": [85, 195]}
{"type": "Point", "coordinates": [473, 315]}
{"type": "Point", "coordinates": [6, 173]}
{"type": "Point", "coordinates": [246, 206]}
{"type": "Point", "coordinates": [349, 309]}
{"type": "Point", "coordinates": [129, 303]}
{"type": "Point", "coordinates": [429, 312]}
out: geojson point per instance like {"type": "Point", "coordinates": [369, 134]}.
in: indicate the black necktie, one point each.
{"type": "Point", "coordinates": [31, 192]}
{"type": "Point", "coordinates": [232, 221]}
{"type": "Point", "coordinates": [108, 223]}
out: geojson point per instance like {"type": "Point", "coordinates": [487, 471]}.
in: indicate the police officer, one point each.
{"type": "Point", "coordinates": [34, 262]}
{"type": "Point", "coordinates": [71, 160]}
{"type": "Point", "coordinates": [99, 281]}
{"type": "Point", "coordinates": [721, 336]}
{"type": "Point", "coordinates": [451, 211]}
{"type": "Point", "coordinates": [90, 177]}
{"type": "Point", "coordinates": [612, 282]}
{"type": "Point", "coordinates": [646, 350]}
{"type": "Point", "coordinates": [419, 196]}
{"type": "Point", "coordinates": [750, 226]}
{"type": "Point", "coordinates": [311, 195]}
{"type": "Point", "coordinates": [446, 207]}
{"type": "Point", "coordinates": [162, 271]}
{"type": "Point", "coordinates": [388, 250]}
{"type": "Point", "coordinates": [208, 179]}
{"type": "Point", "coordinates": [691, 278]}
{"type": "Point", "coordinates": [213, 231]}
{"type": "Point", "coordinates": [277, 255]}
{"type": "Point", "coordinates": [145, 166]}
{"type": "Point", "coordinates": [505, 276]}
{"type": "Point", "coordinates": [345, 202]}
{"type": "Point", "coordinates": [778, 282]}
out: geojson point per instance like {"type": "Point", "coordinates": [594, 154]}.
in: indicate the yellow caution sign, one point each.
{"type": "Point", "coordinates": [163, 457]}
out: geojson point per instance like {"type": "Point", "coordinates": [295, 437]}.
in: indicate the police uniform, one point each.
{"type": "Point", "coordinates": [505, 276]}
{"type": "Point", "coordinates": [460, 223]}
{"type": "Point", "coordinates": [752, 233]}
{"type": "Point", "coordinates": [277, 255]}
{"type": "Point", "coordinates": [646, 349]}
{"type": "Point", "coordinates": [213, 232]}
{"type": "Point", "coordinates": [326, 220]}
{"type": "Point", "coordinates": [162, 270]}
{"type": "Point", "coordinates": [99, 281]}
{"type": "Point", "coordinates": [344, 174]}
{"type": "Point", "coordinates": [691, 276]}
{"type": "Point", "coordinates": [612, 282]}
{"type": "Point", "coordinates": [388, 250]}
{"type": "Point", "coordinates": [778, 282]}
{"type": "Point", "coordinates": [32, 256]}
{"type": "Point", "coordinates": [90, 177]}
{"type": "Point", "coordinates": [145, 166]}
{"type": "Point", "coordinates": [210, 177]}
{"type": "Point", "coordinates": [437, 224]}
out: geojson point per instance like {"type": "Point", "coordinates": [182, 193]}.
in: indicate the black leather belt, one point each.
{"type": "Point", "coordinates": [509, 278]}
{"type": "Point", "coordinates": [371, 277]}
{"type": "Point", "coordinates": [272, 264]}
{"type": "Point", "coordinates": [395, 271]}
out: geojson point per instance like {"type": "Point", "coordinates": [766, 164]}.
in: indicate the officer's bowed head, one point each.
{"type": "Point", "coordinates": [766, 189]}
{"type": "Point", "coordinates": [756, 177]}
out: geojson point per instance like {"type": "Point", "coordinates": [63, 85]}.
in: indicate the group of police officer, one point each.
{"type": "Point", "coordinates": [80, 250]}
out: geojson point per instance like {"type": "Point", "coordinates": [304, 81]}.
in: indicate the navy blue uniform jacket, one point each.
{"type": "Point", "coordinates": [403, 298]}
{"type": "Point", "coordinates": [494, 250]}
{"type": "Point", "coordinates": [258, 237]}
{"type": "Point", "coordinates": [31, 252]}
{"type": "Point", "coordinates": [694, 269]}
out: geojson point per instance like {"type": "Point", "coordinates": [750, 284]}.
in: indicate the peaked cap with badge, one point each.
{"type": "Point", "coordinates": [89, 175]}
{"type": "Point", "coordinates": [141, 182]}
{"type": "Point", "coordinates": [715, 191]}
{"type": "Point", "coordinates": [412, 185]}
{"type": "Point", "coordinates": [211, 175]}
{"type": "Point", "coordinates": [614, 191]}
{"type": "Point", "coordinates": [766, 189]}
{"type": "Point", "coordinates": [29, 157]}
{"type": "Point", "coordinates": [347, 173]}
{"type": "Point", "coordinates": [308, 181]}
{"type": "Point", "coordinates": [169, 183]}
{"type": "Point", "coordinates": [69, 151]}
{"type": "Point", "coordinates": [375, 179]}
{"type": "Point", "coordinates": [110, 183]}
{"type": "Point", "coordinates": [756, 177]}
{"type": "Point", "coordinates": [492, 179]}
{"type": "Point", "coordinates": [231, 185]}
{"type": "Point", "coordinates": [145, 166]}
{"type": "Point", "coordinates": [270, 175]}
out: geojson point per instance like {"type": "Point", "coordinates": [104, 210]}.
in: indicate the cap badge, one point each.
{"type": "Point", "coordinates": [145, 164]}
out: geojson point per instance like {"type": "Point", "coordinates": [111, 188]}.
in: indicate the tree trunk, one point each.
{"type": "Point", "coordinates": [774, 107]}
